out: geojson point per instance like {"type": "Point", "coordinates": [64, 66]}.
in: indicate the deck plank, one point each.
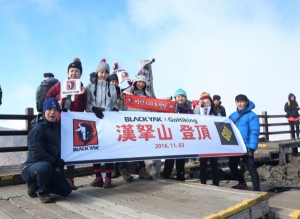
{"type": "Point", "coordinates": [79, 209]}
{"type": "Point", "coordinates": [32, 209]}
{"type": "Point", "coordinates": [4, 216]}
{"type": "Point", "coordinates": [61, 212]}
{"type": "Point", "coordinates": [111, 208]}
{"type": "Point", "coordinates": [13, 211]}
{"type": "Point", "coordinates": [5, 193]}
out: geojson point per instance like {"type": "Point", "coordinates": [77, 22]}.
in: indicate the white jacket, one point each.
{"type": "Point", "coordinates": [101, 100]}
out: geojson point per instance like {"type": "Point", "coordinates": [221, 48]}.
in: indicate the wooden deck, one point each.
{"type": "Point", "coordinates": [149, 199]}
{"type": "Point", "coordinates": [138, 199]}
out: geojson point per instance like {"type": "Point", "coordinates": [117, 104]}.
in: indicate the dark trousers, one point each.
{"type": "Point", "coordinates": [70, 171]}
{"type": "Point", "coordinates": [108, 166]}
{"type": "Point", "coordinates": [292, 125]}
{"type": "Point", "coordinates": [169, 164]}
{"type": "Point", "coordinates": [214, 170]}
{"type": "Point", "coordinates": [125, 165]}
{"type": "Point", "coordinates": [249, 162]}
{"type": "Point", "coordinates": [46, 178]}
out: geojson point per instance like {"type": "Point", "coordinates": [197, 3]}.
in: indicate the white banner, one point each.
{"type": "Point", "coordinates": [70, 87]}
{"type": "Point", "coordinates": [132, 136]}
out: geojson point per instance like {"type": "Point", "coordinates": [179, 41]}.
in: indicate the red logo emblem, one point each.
{"type": "Point", "coordinates": [85, 133]}
{"type": "Point", "coordinates": [71, 85]}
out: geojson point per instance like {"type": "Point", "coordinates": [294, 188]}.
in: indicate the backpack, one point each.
{"type": "Point", "coordinates": [41, 92]}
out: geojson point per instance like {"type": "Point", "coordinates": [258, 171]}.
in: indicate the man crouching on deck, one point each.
{"type": "Point", "coordinates": [38, 171]}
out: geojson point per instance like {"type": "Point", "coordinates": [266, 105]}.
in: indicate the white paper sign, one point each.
{"type": "Point", "coordinates": [70, 87]}
{"type": "Point", "coordinates": [124, 136]}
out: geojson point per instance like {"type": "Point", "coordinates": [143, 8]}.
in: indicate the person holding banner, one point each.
{"type": "Point", "coordinates": [43, 157]}
{"type": "Point", "coordinates": [101, 96]}
{"type": "Point", "coordinates": [138, 88]}
{"type": "Point", "coordinates": [114, 80]}
{"type": "Point", "coordinates": [182, 106]}
{"type": "Point", "coordinates": [247, 123]}
{"type": "Point", "coordinates": [74, 103]}
{"type": "Point", "coordinates": [206, 107]}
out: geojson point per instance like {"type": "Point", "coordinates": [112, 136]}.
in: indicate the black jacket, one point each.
{"type": "Point", "coordinates": [44, 143]}
{"type": "Point", "coordinates": [291, 107]}
{"type": "Point", "coordinates": [221, 109]}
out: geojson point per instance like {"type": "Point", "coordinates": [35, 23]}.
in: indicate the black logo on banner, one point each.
{"type": "Point", "coordinates": [85, 133]}
{"type": "Point", "coordinates": [226, 133]}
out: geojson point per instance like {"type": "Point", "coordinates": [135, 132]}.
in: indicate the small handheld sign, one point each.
{"type": "Point", "coordinates": [133, 101]}
{"type": "Point", "coordinates": [70, 87]}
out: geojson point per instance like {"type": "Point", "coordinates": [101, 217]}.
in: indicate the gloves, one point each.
{"type": "Point", "coordinates": [250, 152]}
{"type": "Point", "coordinates": [64, 109]}
{"type": "Point", "coordinates": [98, 112]}
{"type": "Point", "coordinates": [115, 109]}
{"type": "Point", "coordinates": [59, 163]}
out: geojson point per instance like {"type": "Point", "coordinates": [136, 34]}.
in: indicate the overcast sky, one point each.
{"type": "Point", "coordinates": [221, 47]}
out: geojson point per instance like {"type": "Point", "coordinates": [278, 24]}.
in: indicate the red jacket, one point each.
{"type": "Point", "coordinates": [80, 100]}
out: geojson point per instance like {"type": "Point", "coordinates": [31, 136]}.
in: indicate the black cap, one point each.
{"type": "Point", "coordinates": [216, 97]}
{"type": "Point", "coordinates": [113, 77]}
{"type": "Point", "coordinates": [48, 74]}
{"type": "Point", "coordinates": [76, 64]}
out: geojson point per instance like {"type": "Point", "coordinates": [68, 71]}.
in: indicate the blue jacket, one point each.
{"type": "Point", "coordinates": [248, 125]}
{"type": "Point", "coordinates": [43, 143]}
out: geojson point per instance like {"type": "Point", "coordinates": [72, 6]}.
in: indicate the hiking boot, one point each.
{"type": "Point", "coordinates": [126, 176]}
{"type": "Point", "coordinates": [242, 186]}
{"type": "Point", "coordinates": [98, 182]}
{"type": "Point", "coordinates": [32, 189]}
{"type": "Point", "coordinates": [71, 183]}
{"type": "Point", "coordinates": [45, 197]}
{"type": "Point", "coordinates": [144, 175]}
{"type": "Point", "coordinates": [107, 183]}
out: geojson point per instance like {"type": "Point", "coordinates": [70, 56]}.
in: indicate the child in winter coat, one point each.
{"type": "Point", "coordinates": [138, 88]}
{"type": "Point", "coordinates": [101, 96]}
{"type": "Point", "coordinates": [182, 106]}
{"type": "Point", "coordinates": [206, 107]}
{"type": "Point", "coordinates": [74, 103]}
{"type": "Point", "coordinates": [291, 108]}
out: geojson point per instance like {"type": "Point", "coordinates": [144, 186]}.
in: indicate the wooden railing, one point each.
{"type": "Point", "coordinates": [30, 116]}
{"type": "Point", "coordinates": [265, 124]}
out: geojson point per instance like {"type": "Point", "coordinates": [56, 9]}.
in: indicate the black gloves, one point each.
{"type": "Point", "coordinates": [64, 109]}
{"type": "Point", "coordinates": [115, 109]}
{"type": "Point", "coordinates": [59, 163]}
{"type": "Point", "coordinates": [250, 152]}
{"type": "Point", "coordinates": [98, 112]}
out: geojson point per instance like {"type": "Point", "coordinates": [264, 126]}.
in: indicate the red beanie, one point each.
{"type": "Point", "coordinates": [205, 95]}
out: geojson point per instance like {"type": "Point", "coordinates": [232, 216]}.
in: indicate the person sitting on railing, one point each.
{"type": "Point", "coordinates": [247, 123]}
{"type": "Point", "coordinates": [43, 158]}
{"type": "Point", "coordinates": [291, 108]}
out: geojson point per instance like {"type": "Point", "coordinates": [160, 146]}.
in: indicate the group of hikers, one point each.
{"type": "Point", "coordinates": [43, 169]}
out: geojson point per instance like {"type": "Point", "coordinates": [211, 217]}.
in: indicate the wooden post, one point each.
{"type": "Point", "coordinates": [28, 111]}
{"type": "Point", "coordinates": [266, 127]}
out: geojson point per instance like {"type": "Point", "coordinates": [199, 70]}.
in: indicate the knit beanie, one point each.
{"type": "Point", "coordinates": [48, 75]}
{"type": "Point", "coordinates": [140, 77]}
{"type": "Point", "coordinates": [216, 97]}
{"type": "Point", "coordinates": [205, 95]}
{"type": "Point", "coordinates": [76, 64]}
{"type": "Point", "coordinates": [114, 77]}
{"type": "Point", "coordinates": [102, 66]}
{"type": "Point", "coordinates": [180, 91]}
{"type": "Point", "coordinates": [51, 103]}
